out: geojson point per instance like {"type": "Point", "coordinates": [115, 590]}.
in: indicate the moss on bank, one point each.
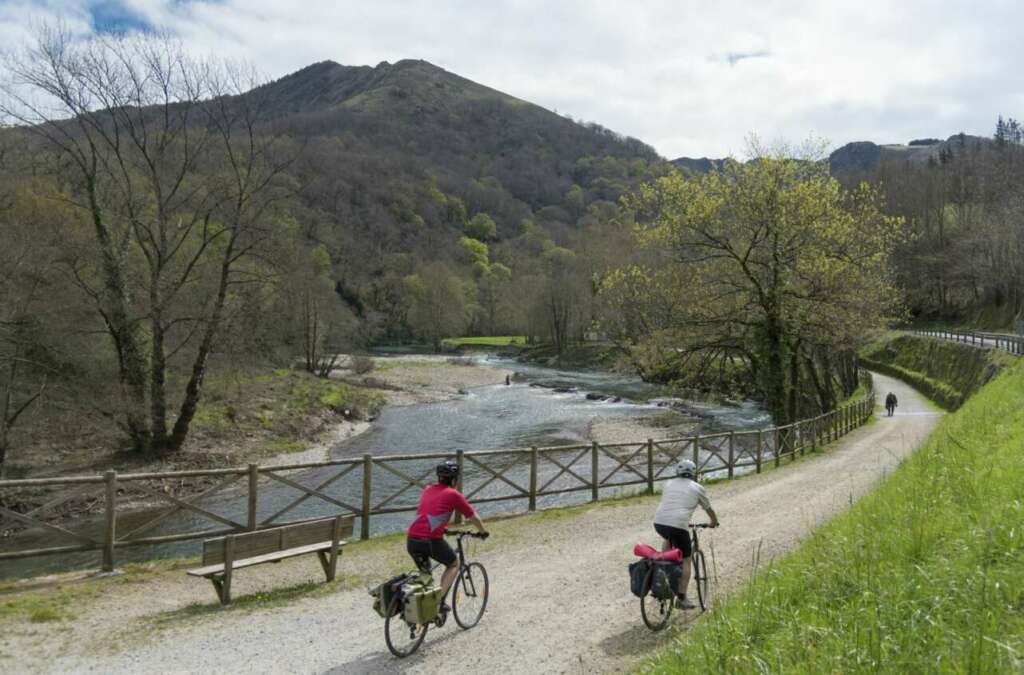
{"type": "Point", "coordinates": [923, 575]}
{"type": "Point", "coordinates": [946, 372]}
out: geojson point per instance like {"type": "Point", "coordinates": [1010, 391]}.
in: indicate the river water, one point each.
{"type": "Point", "coordinates": [542, 407]}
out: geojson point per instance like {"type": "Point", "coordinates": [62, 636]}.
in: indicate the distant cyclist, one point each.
{"type": "Point", "coordinates": [890, 403]}
{"type": "Point", "coordinates": [426, 534]}
{"type": "Point", "coordinates": [680, 498]}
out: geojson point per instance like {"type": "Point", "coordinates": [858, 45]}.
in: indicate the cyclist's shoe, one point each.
{"type": "Point", "coordinates": [683, 603]}
{"type": "Point", "coordinates": [442, 614]}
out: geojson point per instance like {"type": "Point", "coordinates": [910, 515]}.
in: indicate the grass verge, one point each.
{"type": "Point", "coordinates": [923, 575]}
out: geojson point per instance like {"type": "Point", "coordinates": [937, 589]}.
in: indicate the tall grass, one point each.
{"type": "Point", "coordinates": [924, 575]}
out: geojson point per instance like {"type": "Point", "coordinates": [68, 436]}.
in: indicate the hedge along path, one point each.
{"type": "Point", "coordinates": [560, 599]}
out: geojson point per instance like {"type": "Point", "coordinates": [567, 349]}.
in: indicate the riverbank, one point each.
{"type": "Point", "coordinates": [154, 615]}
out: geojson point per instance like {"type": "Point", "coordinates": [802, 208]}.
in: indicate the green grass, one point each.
{"type": "Point", "coordinates": [44, 606]}
{"type": "Point", "coordinates": [492, 341]}
{"type": "Point", "coordinates": [926, 574]}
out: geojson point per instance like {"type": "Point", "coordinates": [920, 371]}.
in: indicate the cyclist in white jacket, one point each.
{"type": "Point", "coordinates": [679, 500]}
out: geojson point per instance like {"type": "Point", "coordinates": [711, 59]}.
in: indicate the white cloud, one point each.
{"type": "Point", "coordinates": [672, 73]}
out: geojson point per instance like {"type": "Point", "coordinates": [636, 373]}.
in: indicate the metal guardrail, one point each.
{"type": "Point", "coordinates": [378, 485]}
{"type": "Point", "coordinates": [1008, 342]}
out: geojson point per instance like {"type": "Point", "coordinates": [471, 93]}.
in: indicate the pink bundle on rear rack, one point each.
{"type": "Point", "coordinates": [649, 552]}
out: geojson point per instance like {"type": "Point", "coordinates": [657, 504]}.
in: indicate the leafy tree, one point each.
{"type": "Point", "coordinates": [437, 303]}
{"type": "Point", "coordinates": [769, 262]}
{"type": "Point", "coordinates": [482, 227]}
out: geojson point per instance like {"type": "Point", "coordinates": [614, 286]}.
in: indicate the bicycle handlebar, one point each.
{"type": "Point", "coordinates": [700, 524]}
{"type": "Point", "coordinates": [467, 533]}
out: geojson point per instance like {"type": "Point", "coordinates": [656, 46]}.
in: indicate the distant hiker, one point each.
{"type": "Point", "coordinates": [890, 403]}
{"type": "Point", "coordinates": [679, 500]}
{"type": "Point", "coordinates": [508, 380]}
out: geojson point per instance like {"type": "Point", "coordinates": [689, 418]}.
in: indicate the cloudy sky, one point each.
{"type": "Point", "coordinates": [689, 77]}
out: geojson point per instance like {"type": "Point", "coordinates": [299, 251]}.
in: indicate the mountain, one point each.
{"type": "Point", "coordinates": [699, 165]}
{"type": "Point", "coordinates": [866, 156]}
{"type": "Point", "coordinates": [398, 158]}
{"type": "Point", "coordinates": [428, 119]}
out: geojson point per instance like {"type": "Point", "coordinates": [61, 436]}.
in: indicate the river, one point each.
{"type": "Point", "coordinates": [542, 407]}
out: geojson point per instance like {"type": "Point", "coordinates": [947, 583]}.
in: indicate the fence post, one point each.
{"type": "Point", "coordinates": [732, 451]}
{"type": "Point", "coordinates": [776, 436]}
{"type": "Point", "coordinates": [364, 524]}
{"type": "Point", "coordinates": [110, 480]}
{"type": "Point", "coordinates": [650, 466]}
{"type": "Point", "coordinates": [802, 433]}
{"type": "Point", "coordinates": [458, 482]}
{"type": "Point", "coordinates": [254, 478]}
{"type": "Point", "coordinates": [696, 451]}
{"type": "Point", "coordinates": [593, 472]}
{"type": "Point", "coordinates": [533, 479]}
{"type": "Point", "coordinates": [814, 434]}
{"type": "Point", "coordinates": [760, 447]}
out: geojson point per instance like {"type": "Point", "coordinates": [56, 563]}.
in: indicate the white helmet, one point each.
{"type": "Point", "coordinates": [686, 469]}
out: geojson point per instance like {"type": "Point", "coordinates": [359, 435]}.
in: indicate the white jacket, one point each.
{"type": "Point", "coordinates": [678, 502]}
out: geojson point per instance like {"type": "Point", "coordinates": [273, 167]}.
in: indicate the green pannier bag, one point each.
{"type": "Point", "coordinates": [422, 602]}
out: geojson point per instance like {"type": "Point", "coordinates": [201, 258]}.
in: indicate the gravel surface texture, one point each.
{"type": "Point", "coordinates": [559, 603]}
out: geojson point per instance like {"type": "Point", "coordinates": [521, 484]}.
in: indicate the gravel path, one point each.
{"type": "Point", "coordinates": [559, 602]}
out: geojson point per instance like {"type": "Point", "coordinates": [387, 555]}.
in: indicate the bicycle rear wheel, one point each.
{"type": "Point", "coordinates": [469, 599]}
{"type": "Point", "coordinates": [403, 638]}
{"type": "Point", "coordinates": [655, 612]}
{"type": "Point", "coordinates": [700, 578]}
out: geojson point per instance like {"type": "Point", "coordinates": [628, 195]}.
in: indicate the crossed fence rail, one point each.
{"type": "Point", "coordinates": [238, 499]}
{"type": "Point", "coordinates": [1008, 342]}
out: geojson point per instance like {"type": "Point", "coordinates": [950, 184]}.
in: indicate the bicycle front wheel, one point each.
{"type": "Point", "coordinates": [469, 599]}
{"type": "Point", "coordinates": [700, 578]}
{"type": "Point", "coordinates": [403, 638]}
{"type": "Point", "coordinates": [655, 612]}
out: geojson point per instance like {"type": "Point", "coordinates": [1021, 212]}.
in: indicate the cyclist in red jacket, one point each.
{"type": "Point", "coordinates": [426, 534]}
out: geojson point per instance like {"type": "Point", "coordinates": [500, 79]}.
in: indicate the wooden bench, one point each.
{"type": "Point", "coordinates": [223, 555]}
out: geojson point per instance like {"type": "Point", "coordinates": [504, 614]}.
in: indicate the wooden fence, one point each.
{"type": "Point", "coordinates": [377, 485]}
{"type": "Point", "coordinates": [1014, 344]}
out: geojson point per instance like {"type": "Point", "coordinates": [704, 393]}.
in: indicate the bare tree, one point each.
{"type": "Point", "coordinates": [176, 173]}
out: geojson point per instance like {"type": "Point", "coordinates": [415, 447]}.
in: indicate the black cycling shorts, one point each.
{"type": "Point", "coordinates": [422, 550]}
{"type": "Point", "coordinates": [678, 538]}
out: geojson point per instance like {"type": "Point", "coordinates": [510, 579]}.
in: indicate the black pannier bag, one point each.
{"type": "Point", "coordinates": [638, 577]}
{"type": "Point", "coordinates": [383, 594]}
{"type": "Point", "coordinates": [666, 579]}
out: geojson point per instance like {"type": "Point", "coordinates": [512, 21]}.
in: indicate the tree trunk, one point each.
{"type": "Point", "coordinates": [193, 390]}
{"type": "Point", "coordinates": [131, 365]}
{"type": "Point", "coordinates": [158, 383]}
{"type": "Point", "coordinates": [773, 371]}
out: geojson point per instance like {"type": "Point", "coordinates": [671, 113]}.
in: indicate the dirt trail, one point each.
{"type": "Point", "coordinates": [559, 596]}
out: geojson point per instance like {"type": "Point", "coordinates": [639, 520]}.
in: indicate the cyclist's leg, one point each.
{"type": "Point", "coordinates": [443, 553]}
{"type": "Point", "coordinates": [419, 550]}
{"type": "Point", "coordinates": [686, 547]}
{"type": "Point", "coordinates": [675, 537]}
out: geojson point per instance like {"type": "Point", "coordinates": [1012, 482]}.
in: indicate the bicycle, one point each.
{"type": "Point", "coordinates": [469, 600]}
{"type": "Point", "coordinates": [655, 610]}
{"type": "Point", "coordinates": [700, 568]}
